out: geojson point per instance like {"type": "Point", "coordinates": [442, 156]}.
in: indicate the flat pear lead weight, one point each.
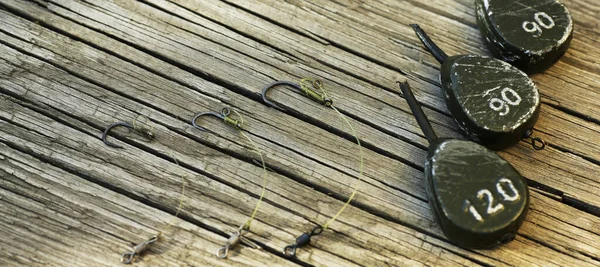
{"type": "Point", "coordinates": [494, 103]}
{"type": "Point", "coordinates": [478, 199]}
{"type": "Point", "coordinates": [529, 34]}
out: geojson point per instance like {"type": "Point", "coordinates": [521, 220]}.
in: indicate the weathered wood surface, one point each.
{"type": "Point", "coordinates": [68, 68]}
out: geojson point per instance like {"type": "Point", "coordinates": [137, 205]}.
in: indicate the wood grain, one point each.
{"type": "Point", "coordinates": [68, 68]}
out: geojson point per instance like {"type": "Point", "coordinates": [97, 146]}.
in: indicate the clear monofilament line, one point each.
{"type": "Point", "coordinates": [181, 197]}
{"type": "Point", "coordinates": [359, 175]}
{"type": "Point", "coordinates": [264, 172]}
{"type": "Point", "coordinates": [326, 225]}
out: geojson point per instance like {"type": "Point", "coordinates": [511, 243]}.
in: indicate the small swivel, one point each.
{"type": "Point", "coordinates": [310, 93]}
{"type": "Point", "coordinates": [224, 115]}
{"type": "Point", "coordinates": [147, 133]}
{"type": "Point", "coordinates": [302, 240]}
{"type": "Point", "coordinates": [127, 257]}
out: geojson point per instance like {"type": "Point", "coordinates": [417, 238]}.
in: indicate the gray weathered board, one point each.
{"type": "Point", "coordinates": [68, 68]}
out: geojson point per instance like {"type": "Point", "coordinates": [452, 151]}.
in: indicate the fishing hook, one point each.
{"type": "Point", "coordinates": [224, 115]}
{"type": "Point", "coordinates": [317, 97]}
{"type": "Point", "coordinates": [144, 132]}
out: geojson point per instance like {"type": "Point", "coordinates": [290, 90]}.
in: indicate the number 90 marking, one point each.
{"type": "Point", "coordinates": [502, 104]}
{"type": "Point", "coordinates": [543, 20]}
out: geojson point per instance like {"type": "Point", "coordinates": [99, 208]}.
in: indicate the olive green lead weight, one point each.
{"type": "Point", "coordinates": [494, 103]}
{"type": "Point", "coordinates": [478, 199]}
{"type": "Point", "coordinates": [529, 34]}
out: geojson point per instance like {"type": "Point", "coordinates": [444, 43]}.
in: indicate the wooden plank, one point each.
{"type": "Point", "coordinates": [302, 160]}
{"type": "Point", "coordinates": [55, 218]}
{"type": "Point", "coordinates": [359, 26]}
{"type": "Point", "coordinates": [582, 184]}
{"type": "Point", "coordinates": [71, 108]}
{"type": "Point", "coordinates": [563, 86]}
{"type": "Point", "coordinates": [216, 205]}
{"type": "Point", "coordinates": [216, 164]}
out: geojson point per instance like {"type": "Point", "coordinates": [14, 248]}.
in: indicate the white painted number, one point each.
{"type": "Point", "coordinates": [507, 197]}
{"type": "Point", "coordinates": [503, 104]}
{"type": "Point", "coordinates": [486, 196]}
{"type": "Point", "coordinates": [473, 211]}
{"type": "Point", "coordinates": [490, 200]}
{"type": "Point", "coordinates": [542, 20]}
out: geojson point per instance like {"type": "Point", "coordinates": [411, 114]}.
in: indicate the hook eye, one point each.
{"type": "Point", "coordinates": [317, 83]}
{"type": "Point", "coordinates": [105, 134]}
{"type": "Point", "coordinates": [538, 143]}
{"type": "Point", "coordinates": [127, 257]}
{"type": "Point", "coordinates": [291, 249]}
{"type": "Point", "coordinates": [222, 252]}
{"type": "Point", "coordinates": [225, 111]}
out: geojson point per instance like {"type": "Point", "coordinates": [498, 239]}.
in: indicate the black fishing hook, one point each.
{"type": "Point", "coordinates": [144, 132]}
{"type": "Point", "coordinates": [224, 115]}
{"type": "Point", "coordinates": [319, 98]}
{"type": "Point", "coordinates": [302, 240]}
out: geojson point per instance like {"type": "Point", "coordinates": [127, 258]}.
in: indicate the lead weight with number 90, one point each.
{"type": "Point", "coordinates": [494, 103]}
{"type": "Point", "coordinates": [478, 198]}
{"type": "Point", "coordinates": [529, 34]}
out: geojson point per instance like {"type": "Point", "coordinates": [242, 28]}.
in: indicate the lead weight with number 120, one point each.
{"type": "Point", "coordinates": [529, 34]}
{"type": "Point", "coordinates": [478, 198]}
{"type": "Point", "coordinates": [494, 103]}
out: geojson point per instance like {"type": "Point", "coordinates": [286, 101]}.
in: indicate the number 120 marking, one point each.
{"type": "Point", "coordinates": [487, 196]}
